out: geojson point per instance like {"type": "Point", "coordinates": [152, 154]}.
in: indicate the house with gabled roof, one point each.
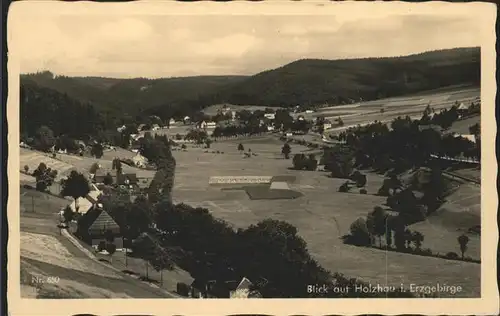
{"type": "Point", "coordinates": [85, 204]}
{"type": "Point", "coordinates": [95, 225]}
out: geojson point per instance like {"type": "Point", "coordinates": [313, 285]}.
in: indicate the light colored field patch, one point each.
{"type": "Point", "coordinates": [279, 186]}
{"type": "Point", "coordinates": [239, 179]}
{"type": "Point", "coordinates": [70, 289]}
{"type": "Point", "coordinates": [50, 250]}
{"type": "Point", "coordinates": [33, 159]}
{"type": "Point", "coordinates": [26, 178]}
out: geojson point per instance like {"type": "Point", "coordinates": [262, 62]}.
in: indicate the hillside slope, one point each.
{"type": "Point", "coordinates": [312, 81]}
{"type": "Point", "coordinates": [303, 82]}
{"type": "Point", "coordinates": [131, 96]}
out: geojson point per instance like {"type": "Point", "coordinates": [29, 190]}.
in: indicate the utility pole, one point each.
{"type": "Point", "coordinates": [161, 275]}
{"type": "Point", "coordinates": [126, 252]}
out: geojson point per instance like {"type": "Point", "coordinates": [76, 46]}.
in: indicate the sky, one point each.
{"type": "Point", "coordinates": [163, 45]}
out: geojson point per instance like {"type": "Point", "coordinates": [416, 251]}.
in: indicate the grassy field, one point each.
{"type": "Point", "coordinates": [322, 215]}
{"type": "Point", "coordinates": [32, 159]}
{"type": "Point", "coordinates": [400, 106]}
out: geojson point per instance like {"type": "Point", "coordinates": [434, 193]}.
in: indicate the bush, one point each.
{"type": "Point", "coordinates": [426, 252]}
{"type": "Point", "coordinates": [110, 248]}
{"type": "Point", "coordinates": [344, 187]}
{"type": "Point", "coordinates": [363, 191]}
{"type": "Point", "coordinates": [452, 255]}
{"type": "Point", "coordinates": [101, 246]}
{"type": "Point", "coordinates": [359, 233]}
{"type": "Point", "coordinates": [183, 289]}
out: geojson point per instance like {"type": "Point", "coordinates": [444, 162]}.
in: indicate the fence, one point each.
{"type": "Point", "coordinates": [467, 160]}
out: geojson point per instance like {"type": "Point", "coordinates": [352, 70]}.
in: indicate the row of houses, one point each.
{"type": "Point", "coordinates": [94, 223]}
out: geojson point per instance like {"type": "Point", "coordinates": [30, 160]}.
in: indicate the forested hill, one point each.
{"type": "Point", "coordinates": [62, 114]}
{"type": "Point", "coordinates": [314, 82]}
{"type": "Point", "coordinates": [133, 96]}
{"type": "Point", "coordinates": [303, 82]}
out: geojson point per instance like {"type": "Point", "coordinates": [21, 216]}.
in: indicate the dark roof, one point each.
{"type": "Point", "coordinates": [96, 221]}
{"type": "Point", "coordinates": [100, 173]}
{"type": "Point", "coordinates": [99, 178]}
{"type": "Point", "coordinates": [131, 177]}
{"type": "Point", "coordinates": [102, 223]}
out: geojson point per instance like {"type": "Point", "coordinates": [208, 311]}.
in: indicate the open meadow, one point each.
{"type": "Point", "coordinates": [322, 215]}
{"type": "Point", "coordinates": [64, 163]}
{"type": "Point", "coordinates": [398, 106]}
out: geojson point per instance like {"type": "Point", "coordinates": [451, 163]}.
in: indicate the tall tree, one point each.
{"type": "Point", "coordinates": [44, 176]}
{"type": "Point", "coordinates": [463, 240]}
{"type": "Point", "coordinates": [378, 221]}
{"type": "Point", "coordinates": [97, 150]}
{"type": "Point", "coordinates": [93, 168]}
{"type": "Point", "coordinates": [44, 139]}
{"type": "Point", "coordinates": [417, 239]}
{"type": "Point", "coordinates": [76, 186]}
{"type": "Point", "coordinates": [286, 150]}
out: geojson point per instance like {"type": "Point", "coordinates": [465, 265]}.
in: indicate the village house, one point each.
{"type": "Point", "coordinates": [462, 110]}
{"type": "Point", "coordinates": [96, 225]}
{"type": "Point", "coordinates": [140, 161]}
{"type": "Point", "coordinates": [327, 124]}
{"type": "Point", "coordinates": [141, 127]}
{"type": "Point", "coordinates": [207, 125]}
{"type": "Point", "coordinates": [136, 137]}
{"type": "Point", "coordinates": [211, 124]}
{"type": "Point", "coordinates": [85, 204]}
{"type": "Point", "coordinates": [224, 289]}
{"type": "Point", "coordinates": [98, 177]}
{"type": "Point", "coordinates": [187, 120]}
{"type": "Point", "coordinates": [171, 122]}
{"type": "Point", "coordinates": [270, 116]}
{"type": "Point", "coordinates": [24, 145]}
{"type": "Point", "coordinates": [155, 127]}
{"type": "Point", "coordinates": [225, 109]}
{"type": "Point", "coordinates": [127, 179]}
{"type": "Point", "coordinates": [469, 137]}
{"type": "Point", "coordinates": [121, 128]}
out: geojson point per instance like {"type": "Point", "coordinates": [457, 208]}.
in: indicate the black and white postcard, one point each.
{"type": "Point", "coordinates": [306, 152]}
